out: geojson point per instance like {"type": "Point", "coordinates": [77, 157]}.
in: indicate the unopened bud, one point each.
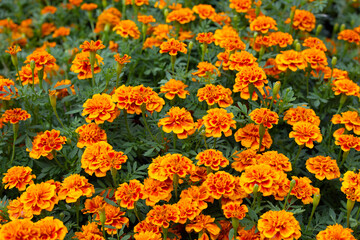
{"type": "Point", "coordinates": [191, 45]}
{"type": "Point", "coordinates": [350, 205]}
{"type": "Point", "coordinates": [257, 10]}
{"type": "Point", "coordinates": [296, 41]}
{"type": "Point", "coordinates": [104, 3]}
{"type": "Point", "coordinates": [166, 12]}
{"type": "Point", "coordinates": [342, 27]}
{"type": "Point", "coordinates": [316, 199]}
{"type": "Point", "coordinates": [32, 64]}
{"type": "Point", "coordinates": [276, 88]}
{"type": "Point", "coordinates": [61, 215]}
{"type": "Point", "coordinates": [333, 61]}
{"type": "Point", "coordinates": [292, 13]}
{"type": "Point", "coordinates": [52, 97]}
{"type": "Point", "coordinates": [256, 34]}
{"type": "Point", "coordinates": [336, 27]}
{"type": "Point", "coordinates": [298, 47]}
{"type": "Point", "coordinates": [255, 189]}
{"type": "Point", "coordinates": [102, 216]}
{"type": "Point", "coordinates": [318, 29]}
{"type": "Point", "coordinates": [352, 22]}
{"type": "Point", "coordinates": [107, 27]}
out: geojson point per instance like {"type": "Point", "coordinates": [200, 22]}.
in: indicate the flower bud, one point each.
{"type": "Point", "coordinates": [255, 189]}
{"type": "Point", "coordinates": [276, 89]}
{"type": "Point", "coordinates": [32, 65]}
{"type": "Point", "coordinates": [298, 47]}
{"type": "Point", "coordinates": [191, 45]}
{"type": "Point", "coordinates": [257, 10]}
{"type": "Point", "coordinates": [318, 29]}
{"type": "Point", "coordinates": [316, 199]}
{"type": "Point", "coordinates": [292, 184]}
{"type": "Point", "coordinates": [102, 216]}
{"type": "Point", "coordinates": [52, 97]}
{"type": "Point", "coordinates": [256, 34]}
{"type": "Point", "coordinates": [166, 12]}
{"type": "Point", "coordinates": [296, 41]}
{"type": "Point", "coordinates": [342, 27]}
{"type": "Point", "coordinates": [333, 61]}
{"type": "Point", "coordinates": [107, 27]}
{"type": "Point", "coordinates": [336, 28]}
{"type": "Point", "coordinates": [350, 205]}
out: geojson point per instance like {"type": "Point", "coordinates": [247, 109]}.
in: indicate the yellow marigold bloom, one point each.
{"type": "Point", "coordinates": [41, 58]}
{"type": "Point", "coordinates": [114, 218]}
{"type": "Point", "coordinates": [346, 86]}
{"type": "Point", "coordinates": [350, 185]}
{"type": "Point", "coordinates": [188, 209]}
{"type": "Point", "coordinates": [126, 28]}
{"type": "Point", "coordinates": [15, 115]}
{"type": "Point", "coordinates": [122, 60]}
{"type": "Point", "coordinates": [18, 177]}
{"type": "Point", "coordinates": [303, 20]}
{"type": "Point", "coordinates": [313, 42]}
{"type": "Point", "coordinates": [347, 141]}
{"type": "Point", "coordinates": [335, 231]}
{"type": "Point", "coordinates": [315, 57]}
{"type": "Point", "coordinates": [13, 50]}
{"type": "Point", "coordinates": [250, 138]}
{"type": "Point", "coordinates": [207, 38]}
{"type": "Point", "coordinates": [61, 32]}
{"type": "Point", "coordinates": [276, 160]}
{"type": "Point", "coordinates": [206, 224]}
{"type": "Point", "coordinates": [51, 229]}
{"type": "Point", "coordinates": [220, 184]}
{"type": "Point", "coordinates": [323, 167]}
{"type": "Point", "coordinates": [173, 46]}
{"type": "Point", "coordinates": [89, 231]}
{"type": "Point", "coordinates": [303, 189]}
{"type": "Point", "coordinates": [249, 75]}
{"type": "Point", "coordinates": [262, 41]}
{"type": "Point", "coordinates": [75, 186]}
{"type": "Point", "coordinates": [300, 114]}
{"type": "Point", "coordinates": [279, 225]}
{"type": "Point", "coordinates": [205, 11]}
{"type": "Point", "coordinates": [350, 119]}
{"type": "Point", "coordinates": [263, 24]}
{"type": "Point", "coordinates": [45, 143]}
{"type": "Point", "coordinates": [113, 46]}
{"type": "Point", "coordinates": [241, 6]}
{"type": "Point", "coordinates": [129, 193]}
{"type": "Point", "coordinates": [5, 82]}
{"type": "Point", "coordinates": [206, 69]}
{"type": "Point", "coordinates": [81, 65]}
{"type": "Point", "coordinates": [215, 95]}
{"type": "Point", "coordinates": [92, 46]}
{"type": "Point", "coordinates": [38, 197]}
{"type": "Point", "coordinates": [90, 134]}
{"type": "Point", "coordinates": [19, 229]}
{"type": "Point", "coordinates": [248, 234]}
{"type": "Point", "coordinates": [238, 60]}
{"type": "Point", "coordinates": [265, 117]}
{"type": "Point", "coordinates": [88, 6]}
{"type": "Point", "coordinates": [282, 39]}
{"type": "Point", "coordinates": [16, 210]}
{"type": "Point", "coordinates": [174, 87]}
{"type": "Point", "coordinates": [212, 158]}
{"type": "Point", "coordinates": [290, 59]}
{"type": "Point", "coordinates": [244, 159]}
{"type": "Point", "coordinates": [155, 190]}
{"type": "Point", "coordinates": [282, 186]}
{"type": "Point", "coordinates": [110, 17]}
{"type": "Point", "coordinates": [218, 121]}
{"type": "Point", "coordinates": [48, 9]}
{"type": "Point", "coordinates": [179, 121]}
{"type": "Point", "coordinates": [306, 133]}
{"type": "Point", "coordinates": [234, 209]}
{"type": "Point", "coordinates": [162, 215]}
{"type": "Point", "coordinates": [350, 36]}
{"type": "Point", "coordinates": [182, 16]}
{"type": "Point", "coordinates": [100, 108]}
{"type": "Point", "coordinates": [198, 175]}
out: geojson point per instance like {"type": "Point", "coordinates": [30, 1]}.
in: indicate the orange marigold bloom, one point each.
{"type": "Point", "coordinates": [137, 2]}
{"type": "Point", "coordinates": [185, 35]}
{"type": "Point", "coordinates": [315, 57]}
{"type": "Point", "coordinates": [212, 158]}
{"type": "Point", "coordinates": [144, 226]}
{"type": "Point", "coordinates": [199, 195]}
{"type": "Point", "coordinates": [263, 24]}
{"type": "Point", "coordinates": [179, 121]}
{"type": "Point", "coordinates": [217, 121]}
{"type": "Point", "coordinates": [243, 234]}
{"type": "Point", "coordinates": [335, 231]}
{"type": "Point", "coordinates": [234, 209]}
{"type": "Point", "coordinates": [155, 190]}
{"type": "Point", "coordinates": [15, 115]}
{"type": "Point", "coordinates": [303, 189]}
{"type": "Point", "coordinates": [16, 210]}
{"type": "Point", "coordinates": [151, 42]}
{"type": "Point", "coordinates": [162, 215]}
{"type": "Point", "coordinates": [13, 50]}
{"type": "Point", "coordinates": [162, 31]}
{"type": "Point", "coordinates": [350, 185]}
{"type": "Point", "coordinates": [129, 193]}
{"type": "Point", "coordinates": [181, 15]}
{"type": "Point", "coordinates": [206, 224]}
{"type": "Point", "coordinates": [114, 218]}
{"type": "Point", "coordinates": [244, 159]}
{"type": "Point", "coordinates": [313, 42]}
{"type": "Point", "coordinates": [250, 138]}
{"type": "Point", "coordinates": [220, 184]}
{"type": "Point", "coordinates": [110, 17]}
{"type": "Point", "coordinates": [279, 225]}
{"type": "Point", "coordinates": [173, 46]}
{"type": "Point", "coordinates": [188, 209]}
{"type": "Point", "coordinates": [20, 229]}
{"type": "Point", "coordinates": [241, 6]}
{"type": "Point", "coordinates": [276, 160]}
{"type": "Point", "coordinates": [346, 86]}
{"type": "Point", "coordinates": [205, 11]}
{"type": "Point", "coordinates": [75, 186]}
{"type": "Point", "coordinates": [18, 177]}
{"type": "Point", "coordinates": [282, 186]}
{"type": "Point", "coordinates": [238, 60]}
{"type": "Point", "coordinates": [122, 60]}
{"type": "Point", "coordinates": [47, 29]}
{"type": "Point", "coordinates": [51, 229]}
{"type": "Point", "coordinates": [207, 38]}
{"type": "Point", "coordinates": [81, 65]}
{"type": "Point", "coordinates": [350, 36]}
{"type": "Point", "coordinates": [9, 84]}
{"type": "Point", "coordinates": [45, 143]}
{"type": "Point", "coordinates": [90, 231]}
{"type": "Point", "coordinates": [92, 46]}
{"type": "Point", "coordinates": [90, 134]}
{"type": "Point", "coordinates": [282, 39]}
{"type": "Point", "coordinates": [174, 87]}
{"type": "Point", "coordinates": [350, 119]}
{"type": "Point", "coordinates": [323, 167]}
{"type": "Point", "coordinates": [126, 28]}
{"type": "Point", "coordinates": [88, 6]}
{"type": "Point", "coordinates": [94, 205]}
{"type": "Point", "coordinates": [41, 58]}
{"type": "Point", "coordinates": [206, 70]}
{"type": "Point", "coordinates": [228, 38]}
{"type": "Point", "coordinates": [146, 19]}
{"type": "Point", "coordinates": [199, 174]}
{"type": "Point", "coordinates": [347, 141]}
{"type": "Point", "coordinates": [306, 133]}
{"type": "Point", "coordinates": [303, 20]}
{"type": "Point", "coordinates": [290, 59]}
{"type": "Point", "coordinates": [147, 235]}
{"type": "Point", "coordinates": [221, 18]}
{"type": "Point", "coordinates": [61, 93]}
{"type": "Point", "coordinates": [265, 117]}
{"type": "Point", "coordinates": [300, 114]}
{"type": "Point", "coordinates": [113, 46]}
{"type": "Point", "coordinates": [100, 109]}
{"type": "Point", "coordinates": [270, 68]}
{"type": "Point", "coordinates": [48, 9]}
{"type": "Point", "coordinates": [38, 197]}
{"type": "Point", "coordinates": [61, 32]}
{"type": "Point", "coordinates": [215, 95]}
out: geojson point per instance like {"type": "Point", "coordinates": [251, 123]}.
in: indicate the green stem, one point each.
{"type": "Point", "coordinates": [165, 232]}
{"type": "Point", "coordinates": [349, 205]}
{"type": "Point", "coordinates": [206, 146]}
{"type": "Point", "coordinates": [176, 184]}
{"type": "Point", "coordinates": [41, 76]}
{"type": "Point", "coordinates": [33, 79]}
{"type": "Point", "coordinates": [127, 125]}
{"type": "Point", "coordinates": [204, 48]}
{"type": "Point", "coordinates": [297, 155]}
{"type": "Point", "coordinates": [174, 139]}
{"type": "Point", "coordinates": [15, 130]}
{"type": "Point", "coordinates": [57, 161]}
{"type": "Point", "coordinates": [147, 126]}
{"type": "Point", "coordinates": [345, 155]}
{"type": "Point", "coordinates": [311, 216]}
{"type": "Point", "coordinates": [235, 223]}
{"type": "Point", "coordinates": [262, 130]}
{"type": "Point", "coordinates": [136, 211]}
{"type": "Point", "coordinates": [173, 59]}
{"type": "Point", "coordinates": [118, 80]}
{"type": "Point", "coordinates": [93, 76]}
{"type": "Point", "coordinates": [58, 118]}
{"type": "Point", "coordinates": [77, 204]}
{"type": "Point", "coordinates": [188, 62]}
{"type": "Point", "coordinates": [114, 176]}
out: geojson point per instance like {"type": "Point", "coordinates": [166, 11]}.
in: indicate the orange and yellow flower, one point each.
{"type": "Point", "coordinates": [100, 108]}
{"type": "Point", "coordinates": [75, 186]}
{"type": "Point", "coordinates": [174, 88]}
{"type": "Point", "coordinates": [244, 159]}
{"type": "Point", "coordinates": [241, 6]}
{"type": "Point", "coordinates": [9, 84]}
{"type": "Point", "coordinates": [41, 58]}
{"type": "Point", "coordinates": [162, 215]}
{"type": "Point", "coordinates": [238, 60]}
{"type": "Point", "coordinates": [215, 95]}
{"type": "Point", "coordinates": [90, 134]}
{"type": "Point", "coordinates": [218, 121]}
{"type": "Point", "coordinates": [350, 185]}
{"type": "Point", "coordinates": [205, 11]}
{"type": "Point", "coordinates": [173, 46]}
{"type": "Point", "coordinates": [323, 167]}
{"type": "Point", "coordinates": [303, 20]}
{"type": "Point", "coordinates": [212, 158]}
{"type": "Point", "coordinates": [234, 209]}
{"type": "Point", "coordinates": [81, 65]}
{"type": "Point", "coordinates": [92, 46]}
{"type": "Point", "coordinates": [179, 121]}
{"type": "Point", "coordinates": [350, 119]}
{"type": "Point", "coordinates": [315, 57]}
{"type": "Point", "coordinates": [45, 143]}
{"type": "Point", "coordinates": [303, 189]}
{"type": "Point", "coordinates": [220, 184]}
{"type": "Point", "coordinates": [306, 133]}
{"type": "Point", "coordinates": [18, 177]}
{"type": "Point", "coordinates": [19, 229]}
{"type": "Point", "coordinates": [126, 29]}
{"type": "Point", "coordinates": [129, 193]}
{"type": "Point", "coordinates": [346, 86]}
{"type": "Point", "coordinates": [263, 24]}
{"type": "Point", "coordinates": [350, 36]}
{"type": "Point", "coordinates": [207, 38]}
{"type": "Point", "coordinates": [51, 229]}
{"type": "Point", "coordinates": [15, 115]}
{"type": "Point", "coordinates": [181, 15]}
{"type": "Point", "coordinates": [290, 59]}
{"type": "Point", "coordinates": [300, 114]}
{"type": "Point", "coordinates": [265, 117]}
{"type": "Point", "coordinates": [335, 231]}
{"type": "Point", "coordinates": [206, 224]}
{"type": "Point", "coordinates": [250, 138]}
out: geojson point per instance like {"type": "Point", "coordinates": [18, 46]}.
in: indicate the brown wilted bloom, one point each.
{"type": "Point", "coordinates": [250, 138]}
{"type": "Point", "coordinates": [323, 167]}
{"type": "Point", "coordinates": [263, 24]}
{"type": "Point", "coordinates": [92, 46]}
{"type": "Point", "coordinates": [218, 121]}
{"type": "Point", "coordinates": [182, 16]}
{"type": "Point", "coordinates": [301, 114]}
{"type": "Point", "coordinates": [48, 9]}
{"type": "Point", "coordinates": [265, 117]}
{"type": "Point", "coordinates": [100, 109]}
{"type": "Point", "coordinates": [244, 159]}
{"type": "Point", "coordinates": [206, 69]}
{"type": "Point", "coordinates": [61, 93]}
{"type": "Point", "coordinates": [240, 6]}
{"type": "Point", "coordinates": [335, 231]}
{"type": "Point", "coordinates": [350, 36]}
{"type": "Point", "coordinates": [212, 158]}
{"type": "Point", "coordinates": [151, 42]}
{"type": "Point", "coordinates": [306, 133]}
{"type": "Point", "coordinates": [113, 46]}
{"type": "Point", "coordinates": [126, 29]}
{"type": "Point", "coordinates": [18, 177]}
{"type": "Point", "coordinates": [173, 46]}
{"type": "Point", "coordinates": [303, 189]}
{"type": "Point", "coordinates": [110, 17]}
{"type": "Point", "coordinates": [88, 6]}
{"type": "Point", "coordinates": [205, 11]}
{"type": "Point", "coordinates": [346, 86]}
{"type": "Point", "coordinates": [13, 50]}
{"type": "Point", "coordinates": [90, 231]}
{"type": "Point", "coordinates": [207, 38]}
{"type": "Point", "coordinates": [350, 119]}
{"type": "Point", "coordinates": [275, 160]}
{"type": "Point", "coordinates": [174, 88]}
{"type": "Point", "coordinates": [313, 42]}
{"type": "Point", "coordinates": [315, 57]}
{"type": "Point", "coordinates": [41, 58]}
{"type": "Point", "coordinates": [241, 59]}
{"type": "Point", "coordinates": [146, 19]}
{"type": "Point", "coordinates": [290, 59]}
{"type": "Point", "coordinates": [75, 186]}
{"type": "Point", "coordinates": [215, 95]}
{"type": "Point", "coordinates": [282, 39]}
{"type": "Point", "coordinates": [179, 121]}
{"type": "Point", "coordinates": [15, 115]}
{"type": "Point", "coordinates": [81, 65]}
{"type": "Point", "coordinates": [347, 141]}
{"type": "Point", "coordinates": [303, 20]}
{"type": "Point", "coordinates": [90, 134]}
{"type": "Point", "coordinates": [61, 32]}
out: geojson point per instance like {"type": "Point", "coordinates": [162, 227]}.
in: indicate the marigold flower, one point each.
{"type": "Point", "coordinates": [282, 39]}
{"type": "Point", "coordinates": [126, 28]}
{"type": "Point", "coordinates": [199, 195]}
{"type": "Point", "coordinates": [100, 108]}
{"type": "Point", "coordinates": [162, 215]}
{"type": "Point", "coordinates": [244, 159]}
{"type": "Point", "coordinates": [137, 2]}
{"type": "Point", "coordinates": [241, 6]}
{"type": "Point", "coordinates": [48, 9]}
{"type": "Point", "coordinates": [300, 114]}
{"type": "Point", "coordinates": [220, 184]}
{"type": "Point", "coordinates": [110, 17]}
{"type": "Point", "coordinates": [290, 59]}
{"type": "Point", "coordinates": [313, 42]}
{"type": "Point", "coordinates": [212, 158]}
{"type": "Point", "coordinates": [47, 29]}
{"type": "Point", "coordinates": [218, 121]}
{"type": "Point", "coordinates": [350, 36]}
{"type": "Point", "coordinates": [94, 205]}
{"type": "Point", "coordinates": [262, 41]}
{"type": "Point", "coordinates": [88, 6]}
{"type": "Point", "coordinates": [18, 177]}
{"type": "Point", "coordinates": [16, 210]}
{"type": "Point", "coordinates": [270, 68]}
{"type": "Point", "coordinates": [146, 19]}
{"type": "Point", "coordinates": [205, 11]}
{"type": "Point", "coordinates": [235, 210]}
{"type": "Point", "coordinates": [75, 186]}
{"type": "Point", "coordinates": [162, 31]}
{"type": "Point", "coordinates": [335, 231]}
{"type": "Point", "coordinates": [204, 223]}
{"type": "Point", "coordinates": [238, 60]}
{"type": "Point", "coordinates": [282, 186]}
{"type": "Point", "coordinates": [61, 93]}
{"type": "Point", "coordinates": [306, 133]}
{"type": "Point", "coordinates": [129, 193]}
{"type": "Point", "coordinates": [228, 38]}
{"type": "Point", "coordinates": [206, 70]}
{"type": "Point", "coordinates": [279, 225]}
{"type": "Point", "coordinates": [199, 174]}
{"type": "Point", "coordinates": [323, 167]}
{"type": "Point", "coordinates": [113, 46]}
{"type": "Point", "coordinates": [276, 160]}
{"type": "Point", "coordinates": [350, 185]}
{"type": "Point", "coordinates": [303, 20]}
{"type": "Point", "coordinates": [122, 60]}
{"type": "Point", "coordinates": [315, 57]}
{"type": "Point", "coordinates": [207, 38]}
{"type": "Point", "coordinates": [346, 86]}
{"type": "Point", "coordinates": [92, 46]}
{"type": "Point", "coordinates": [265, 117]}
{"type": "Point", "coordinates": [263, 24]}
{"type": "Point", "coordinates": [61, 32]}
{"type": "Point", "coordinates": [13, 50]}
{"type": "Point", "coordinates": [51, 229]}
{"type": "Point", "coordinates": [350, 119]}
{"type": "Point", "coordinates": [145, 226]}
{"type": "Point", "coordinates": [174, 87]}
{"type": "Point", "coordinates": [89, 231]}
{"type": "Point", "coordinates": [303, 189]}
{"type": "Point", "coordinates": [221, 18]}
{"type": "Point", "coordinates": [15, 115]}
{"type": "Point", "coordinates": [41, 58]}
{"type": "Point", "coordinates": [249, 75]}
{"type": "Point", "coordinates": [90, 134]}
{"type": "Point", "coordinates": [347, 141]}
{"type": "Point", "coordinates": [179, 121]}
{"type": "Point", "coordinates": [182, 16]}
{"type": "Point", "coordinates": [151, 42]}
{"type": "Point", "coordinates": [45, 143]}
{"type": "Point", "coordinates": [173, 46]}
{"type": "Point", "coordinates": [81, 65]}
{"type": "Point", "coordinates": [250, 234]}
{"type": "Point", "coordinates": [188, 210]}
{"type": "Point", "coordinates": [215, 95]}
{"type": "Point", "coordinates": [250, 138]}
{"type": "Point", "coordinates": [38, 197]}
{"type": "Point", "coordinates": [9, 84]}
{"type": "Point", "coordinates": [155, 190]}
{"type": "Point", "coordinates": [147, 236]}
{"type": "Point", "coordinates": [19, 229]}
{"type": "Point", "coordinates": [114, 218]}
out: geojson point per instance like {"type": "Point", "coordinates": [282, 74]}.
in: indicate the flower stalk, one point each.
{"type": "Point", "coordinates": [15, 131]}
